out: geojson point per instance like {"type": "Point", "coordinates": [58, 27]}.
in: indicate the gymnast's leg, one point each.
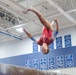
{"type": "Point", "coordinates": [44, 22]}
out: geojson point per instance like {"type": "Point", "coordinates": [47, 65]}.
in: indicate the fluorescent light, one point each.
{"type": "Point", "coordinates": [19, 29]}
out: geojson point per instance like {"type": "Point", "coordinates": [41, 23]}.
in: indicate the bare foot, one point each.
{"type": "Point", "coordinates": [30, 9]}
{"type": "Point", "coordinates": [55, 19]}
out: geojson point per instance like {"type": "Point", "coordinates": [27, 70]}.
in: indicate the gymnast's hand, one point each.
{"type": "Point", "coordinates": [30, 9]}
{"type": "Point", "coordinates": [24, 30]}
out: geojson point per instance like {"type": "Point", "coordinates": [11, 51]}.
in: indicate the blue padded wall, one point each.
{"type": "Point", "coordinates": [59, 58]}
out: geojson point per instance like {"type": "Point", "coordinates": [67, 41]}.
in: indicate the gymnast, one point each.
{"type": "Point", "coordinates": [47, 36]}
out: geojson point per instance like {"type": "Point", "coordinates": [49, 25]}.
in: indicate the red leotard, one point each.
{"type": "Point", "coordinates": [46, 34]}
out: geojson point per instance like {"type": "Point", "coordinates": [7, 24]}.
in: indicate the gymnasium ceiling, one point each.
{"type": "Point", "coordinates": [12, 18]}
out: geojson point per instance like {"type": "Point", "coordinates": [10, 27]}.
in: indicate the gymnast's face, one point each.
{"type": "Point", "coordinates": [45, 48]}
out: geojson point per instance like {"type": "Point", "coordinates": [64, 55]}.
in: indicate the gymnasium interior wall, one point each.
{"type": "Point", "coordinates": [25, 46]}
{"type": "Point", "coordinates": [18, 47]}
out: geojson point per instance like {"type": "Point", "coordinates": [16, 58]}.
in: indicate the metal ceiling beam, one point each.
{"type": "Point", "coordinates": [42, 3]}
{"type": "Point", "coordinates": [11, 11]}
{"type": "Point", "coordinates": [51, 2]}
{"type": "Point", "coordinates": [10, 35]}
{"type": "Point", "coordinates": [46, 17]}
{"type": "Point", "coordinates": [31, 21]}
{"type": "Point", "coordinates": [62, 11]}
{"type": "Point", "coordinates": [74, 10]}
{"type": "Point", "coordinates": [17, 26]}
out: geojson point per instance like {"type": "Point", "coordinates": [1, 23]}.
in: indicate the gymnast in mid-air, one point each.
{"type": "Point", "coordinates": [47, 36]}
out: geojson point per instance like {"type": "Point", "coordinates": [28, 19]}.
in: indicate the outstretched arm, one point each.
{"type": "Point", "coordinates": [29, 35]}
{"type": "Point", "coordinates": [57, 29]}
{"type": "Point", "coordinates": [57, 26]}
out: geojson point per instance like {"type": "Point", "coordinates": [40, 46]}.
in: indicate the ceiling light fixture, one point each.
{"type": "Point", "coordinates": [19, 29]}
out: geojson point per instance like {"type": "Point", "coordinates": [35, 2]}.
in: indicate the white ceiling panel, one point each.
{"type": "Point", "coordinates": [28, 3]}
{"type": "Point", "coordinates": [11, 16]}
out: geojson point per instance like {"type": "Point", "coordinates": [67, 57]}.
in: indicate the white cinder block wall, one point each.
{"type": "Point", "coordinates": [17, 47]}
